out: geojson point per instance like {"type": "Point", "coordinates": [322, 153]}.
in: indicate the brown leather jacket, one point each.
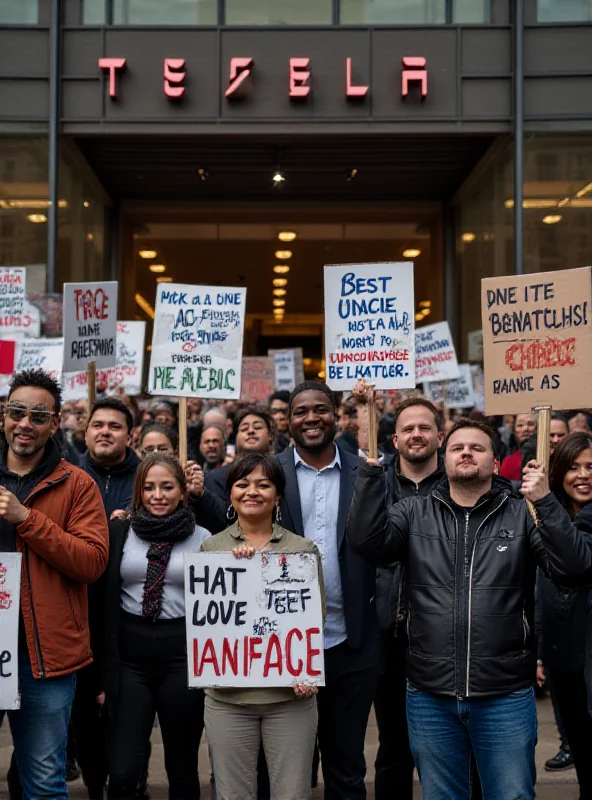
{"type": "Point", "coordinates": [65, 545]}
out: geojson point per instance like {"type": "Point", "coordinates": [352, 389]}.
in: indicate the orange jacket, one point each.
{"type": "Point", "coordinates": [65, 545]}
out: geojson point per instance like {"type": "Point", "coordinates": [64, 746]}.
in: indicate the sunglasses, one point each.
{"type": "Point", "coordinates": [38, 416]}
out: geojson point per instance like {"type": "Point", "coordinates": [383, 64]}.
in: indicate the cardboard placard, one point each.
{"type": "Point", "coordinates": [14, 314]}
{"type": "Point", "coordinates": [478, 387]}
{"type": "Point", "coordinates": [90, 325]}
{"type": "Point", "coordinates": [537, 340]}
{"type": "Point", "coordinates": [453, 394]}
{"type": "Point", "coordinates": [258, 379]}
{"type": "Point", "coordinates": [10, 590]}
{"type": "Point", "coordinates": [289, 368]}
{"type": "Point", "coordinates": [197, 343]}
{"type": "Point", "coordinates": [370, 325]}
{"type": "Point", "coordinates": [435, 356]}
{"type": "Point", "coordinates": [45, 354]}
{"type": "Point", "coordinates": [254, 622]}
{"type": "Point", "coordinates": [475, 342]}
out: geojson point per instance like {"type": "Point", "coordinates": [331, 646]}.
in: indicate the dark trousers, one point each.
{"type": "Point", "coordinates": [394, 762]}
{"type": "Point", "coordinates": [153, 680]}
{"type": "Point", "coordinates": [570, 694]}
{"type": "Point", "coordinates": [344, 707]}
{"type": "Point", "coordinates": [89, 732]}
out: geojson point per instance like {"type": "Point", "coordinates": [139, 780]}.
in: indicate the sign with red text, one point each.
{"type": "Point", "coordinates": [257, 380]}
{"type": "Point", "coordinates": [14, 316]}
{"type": "Point", "coordinates": [10, 588]}
{"type": "Point", "coordinates": [90, 325]}
{"type": "Point", "coordinates": [197, 341]}
{"type": "Point", "coordinates": [370, 325]}
{"type": "Point", "coordinates": [537, 340]}
{"type": "Point", "coordinates": [457, 393]}
{"type": "Point", "coordinates": [45, 354]}
{"type": "Point", "coordinates": [435, 356]}
{"type": "Point", "coordinates": [253, 622]}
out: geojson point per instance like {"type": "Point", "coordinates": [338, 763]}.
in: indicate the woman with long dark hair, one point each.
{"type": "Point", "coordinates": [564, 613]}
{"type": "Point", "coordinates": [145, 649]}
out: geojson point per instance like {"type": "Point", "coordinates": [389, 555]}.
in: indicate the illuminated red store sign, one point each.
{"type": "Point", "coordinates": [413, 77]}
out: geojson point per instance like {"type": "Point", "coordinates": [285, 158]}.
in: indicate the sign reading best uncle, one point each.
{"type": "Point", "coordinates": [370, 325]}
{"type": "Point", "coordinates": [254, 622]}
{"type": "Point", "coordinates": [197, 342]}
{"type": "Point", "coordinates": [537, 340]}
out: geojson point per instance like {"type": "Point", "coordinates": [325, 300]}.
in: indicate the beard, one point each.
{"type": "Point", "coordinates": [26, 450]}
{"type": "Point", "coordinates": [417, 457]}
{"type": "Point", "coordinates": [465, 476]}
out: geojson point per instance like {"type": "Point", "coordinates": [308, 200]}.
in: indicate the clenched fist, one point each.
{"type": "Point", "coordinates": [195, 478]}
{"type": "Point", "coordinates": [535, 484]}
{"type": "Point", "coordinates": [10, 508]}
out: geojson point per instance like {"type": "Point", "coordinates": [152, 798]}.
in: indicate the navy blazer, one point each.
{"type": "Point", "coordinates": [358, 578]}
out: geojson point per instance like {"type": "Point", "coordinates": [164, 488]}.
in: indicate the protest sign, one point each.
{"type": "Point", "coordinates": [475, 342]}
{"type": "Point", "coordinates": [45, 354]}
{"type": "Point", "coordinates": [10, 587]}
{"type": "Point", "coordinates": [254, 622]}
{"type": "Point", "coordinates": [537, 340]}
{"type": "Point", "coordinates": [14, 315]}
{"type": "Point", "coordinates": [478, 387]}
{"type": "Point", "coordinates": [197, 344]}
{"type": "Point", "coordinates": [257, 379]}
{"type": "Point", "coordinates": [369, 325]}
{"type": "Point", "coordinates": [289, 368]}
{"type": "Point", "coordinates": [453, 394]}
{"type": "Point", "coordinates": [90, 325]}
{"type": "Point", "coordinates": [435, 357]}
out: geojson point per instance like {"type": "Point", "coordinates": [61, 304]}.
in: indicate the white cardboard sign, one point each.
{"type": "Point", "coordinates": [197, 343]}
{"type": "Point", "coordinates": [90, 325]}
{"type": "Point", "coordinates": [14, 314]}
{"type": "Point", "coordinates": [370, 325]}
{"type": "Point", "coordinates": [435, 356]}
{"type": "Point", "coordinates": [254, 622]}
{"type": "Point", "coordinates": [10, 589]}
{"type": "Point", "coordinates": [45, 354]}
{"type": "Point", "coordinates": [453, 394]}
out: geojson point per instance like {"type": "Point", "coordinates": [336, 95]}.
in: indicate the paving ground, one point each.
{"type": "Point", "coordinates": [550, 787]}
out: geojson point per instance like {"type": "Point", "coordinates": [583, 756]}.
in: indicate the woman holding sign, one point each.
{"type": "Point", "coordinates": [145, 644]}
{"type": "Point", "coordinates": [283, 719]}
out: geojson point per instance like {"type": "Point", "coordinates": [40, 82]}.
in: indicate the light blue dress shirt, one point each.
{"type": "Point", "coordinates": [319, 500]}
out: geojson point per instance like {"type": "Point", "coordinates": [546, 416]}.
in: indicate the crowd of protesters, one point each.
{"type": "Point", "coordinates": [448, 600]}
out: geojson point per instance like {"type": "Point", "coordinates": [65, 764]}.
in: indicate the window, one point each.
{"type": "Point", "coordinates": [564, 10]}
{"type": "Point", "coordinates": [171, 12]}
{"type": "Point", "coordinates": [385, 12]}
{"type": "Point", "coordinates": [19, 12]}
{"type": "Point", "coordinates": [279, 12]}
{"type": "Point", "coordinates": [471, 11]}
{"type": "Point", "coordinates": [93, 12]}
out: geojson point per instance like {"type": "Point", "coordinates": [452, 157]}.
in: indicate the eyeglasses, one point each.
{"type": "Point", "coordinates": [161, 448]}
{"type": "Point", "coordinates": [37, 415]}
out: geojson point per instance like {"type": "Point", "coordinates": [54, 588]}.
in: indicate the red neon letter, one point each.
{"type": "Point", "coordinates": [299, 76]}
{"type": "Point", "coordinates": [350, 90]}
{"type": "Point", "coordinates": [112, 64]}
{"type": "Point", "coordinates": [311, 651]}
{"type": "Point", "coordinates": [240, 70]}
{"type": "Point", "coordinates": [172, 75]}
{"type": "Point", "coordinates": [414, 70]}
{"type": "Point", "coordinates": [289, 666]}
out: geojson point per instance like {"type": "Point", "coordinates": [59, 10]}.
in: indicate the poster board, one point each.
{"type": "Point", "coordinates": [435, 356]}
{"type": "Point", "coordinates": [14, 315]}
{"type": "Point", "coordinates": [253, 622]}
{"type": "Point", "coordinates": [197, 342]}
{"type": "Point", "coordinates": [370, 325]}
{"type": "Point", "coordinates": [453, 394]}
{"type": "Point", "coordinates": [289, 368]}
{"type": "Point", "coordinates": [45, 354]}
{"type": "Point", "coordinates": [537, 340]}
{"type": "Point", "coordinates": [90, 325]}
{"type": "Point", "coordinates": [475, 345]}
{"type": "Point", "coordinates": [478, 387]}
{"type": "Point", "coordinates": [258, 379]}
{"type": "Point", "coordinates": [10, 590]}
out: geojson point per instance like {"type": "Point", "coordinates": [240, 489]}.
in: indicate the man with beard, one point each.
{"type": "Point", "coordinates": [320, 479]}
{"type": "Point", "coordinates": [414, 471]}
{"type": "Point", "coordinates": [212, 447]}
{"type": "Point", "coordinates": [471, 550]}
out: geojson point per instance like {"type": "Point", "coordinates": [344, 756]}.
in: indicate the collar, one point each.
{"type": "Point", "coordinates": [335, 463]}
{"type": "Point", "coordinates": [276, 532]}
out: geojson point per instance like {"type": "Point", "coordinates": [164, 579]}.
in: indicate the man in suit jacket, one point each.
{"type": "Point", "coordinates": [320, 480]}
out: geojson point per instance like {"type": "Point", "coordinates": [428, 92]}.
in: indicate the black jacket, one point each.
{"type": "Point", "coordinates": [115, 483]}
{"type": "Point", "coordinates": [211, 508]}
{"type": "Point", "coordinates": [471, 588]}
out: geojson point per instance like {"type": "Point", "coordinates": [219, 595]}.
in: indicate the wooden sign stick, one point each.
{"type": "Point", "coordinates": [91, 381]}
{"type": "Point", "coordinates": [543, 445]}
{"type": "Point", "coordinates": [372, 431]}
{"type": "Point", "coordinates": [183, 431]}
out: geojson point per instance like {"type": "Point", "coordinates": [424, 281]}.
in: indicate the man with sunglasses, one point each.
{"type": "Point", "coordinates": [52, 513]}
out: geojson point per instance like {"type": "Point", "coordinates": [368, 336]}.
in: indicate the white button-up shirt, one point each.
{"type": "Point", "coordinates": [319, 500]}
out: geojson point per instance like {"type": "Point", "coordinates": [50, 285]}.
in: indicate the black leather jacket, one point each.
{"type": "Point", "coordinates": [470, 579]}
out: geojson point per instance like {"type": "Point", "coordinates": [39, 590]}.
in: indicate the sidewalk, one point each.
{"type": "Point", "coordinates": [549, 786]}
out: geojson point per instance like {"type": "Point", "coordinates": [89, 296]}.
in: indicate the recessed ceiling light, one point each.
{"type": "Point", "coordinates": [157, 268]}
{"type": "Point", "coordinates": [164, 279]}
{"type": "Point", "coordinates": [552, 219]}
{"type": "Point", "coordinates": [278, 177]}
{"type": "Point", "coordinates": [286, 236]}
{"type": "Point", "coordinates": [283, 255]}
{"type": "Point", "coordinates": [468, 237]}
{"type": "Point", "coordinates": [147, 253]}
{"type": "Point", "coordinates": [425, 304]}
{"type": "Point", "coordinates": [280, 281]}
{"type": "Point", "coordinates": [411, 252]}
{"type": "Point", "coordinates": [280, 292]}
{"type": "Point", "coordinates": [281, 269]}
{"type": "Point", "coordinates": [418, 317]}
{"type": "Point", "coordinates": [86, 204]}
{"type": "Point", "coordinates": [279, 303]}
{"type": "Point", "coordinates": [36, 217]}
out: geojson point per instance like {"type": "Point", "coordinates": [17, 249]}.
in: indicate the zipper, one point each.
{"type": "Point", "coordinates": [526, 627]}
{"type": "Point", "coordinates": [107, 484]}
{"type": "Point", "coordinates": [456, 615]}
{"type": "Point", "coordinates": [40, 661]}
{"type": "Point", "coordinates": [497, 508]}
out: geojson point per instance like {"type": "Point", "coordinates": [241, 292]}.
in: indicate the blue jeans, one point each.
{"type": "Point", "coordinates": [40, 732]}
{"type": "Point", "coordinates": [501, 732]}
